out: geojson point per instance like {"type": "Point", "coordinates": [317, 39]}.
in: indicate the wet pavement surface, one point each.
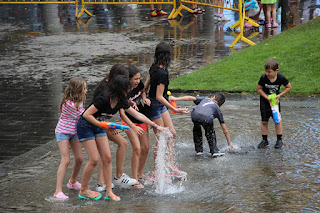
{"type": "Point", "coordinates": [43, 46]}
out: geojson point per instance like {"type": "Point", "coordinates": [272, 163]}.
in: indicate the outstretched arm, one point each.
{"type": "Point", "coordinates": [226, 133]}
{"type": "Point", "coordinates": [162, 100]}
{"type": "Point", "coordinates": [182, 98]}
{"type": "Point", "coordinates": [141, 117]}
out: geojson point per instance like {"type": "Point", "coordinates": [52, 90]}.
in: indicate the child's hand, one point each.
{"type": "Point", "coordinates": [112, 131]}
{"type": "Point", "coordinates": [182, 110]}
{"type": "Point", "coordinates": [232, 146]}
{"type": "Point", "coordinates": [147, 101]}
{"type": "Point", "coordinates": [138, 130]}
{"type": "Point", "coordinates": [161, 129]}
{"type": "Point", "coordinates": [278, 99]}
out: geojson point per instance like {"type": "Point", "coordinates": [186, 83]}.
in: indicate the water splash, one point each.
{"type": "Point", "coordinates": [163, 180]}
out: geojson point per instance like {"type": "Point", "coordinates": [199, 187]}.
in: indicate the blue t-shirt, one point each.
{"type": "Point", "coordinates": [206, 110]}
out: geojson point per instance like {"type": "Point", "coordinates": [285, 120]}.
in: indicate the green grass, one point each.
{"type": "Point", "coordinates": [297, 51]}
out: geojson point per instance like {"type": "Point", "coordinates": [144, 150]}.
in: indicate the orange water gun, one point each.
{"type": "Point", "coordinates": [112, 125]}
{"type": "Point", "coordinates": [173, 103]}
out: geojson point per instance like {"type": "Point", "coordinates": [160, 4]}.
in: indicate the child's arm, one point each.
{"type": "Point", "coordinates": [162, 100]}
{"type": "Point", "coordinates": [141, 117]}
{"type": "Point", "coordinates": [226, 133]}
{"type": "Point", "coordinates": [144, 97]}
{"type": "Point", "coordinates": [182, 98]}
{"type": "Point", "coordinates": [124, 117]}
{"type": "Point", "coordinates": [88, 115]}
{"type": "Point", "coordinates": [147, 84]}
{"type": "Point", "coordinates": [262, 93]}
{"type": "Point", "coordinates": [285, 91]}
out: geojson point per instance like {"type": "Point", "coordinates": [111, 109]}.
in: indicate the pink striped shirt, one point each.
{"type": "Point", "coordinates": [68, 119]}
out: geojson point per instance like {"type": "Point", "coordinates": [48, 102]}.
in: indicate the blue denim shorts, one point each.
{"type": "Point", "coordinates": [61, 136]}
{"type": "Point", "coordinates": [88, 131]}
{"type": "Point", "coordinates": [155, 110]}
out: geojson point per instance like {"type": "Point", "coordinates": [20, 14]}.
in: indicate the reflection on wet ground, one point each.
{"type": "Point", "coordinates": [43, 46]}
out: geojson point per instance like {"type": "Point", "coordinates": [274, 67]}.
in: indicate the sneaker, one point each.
{"type": "Point", "coordinates": [162, 13]}
{"type": "Point", "coordinates": [102, 188]}
{"type": "Point", "coordinates": [153, 13]}
{"type": "Point", "coordinates": [175, 171]}
{"type": "Point", "coordinates": [279, 144]}
{"type": "Point", "coordinates": [124, 180]}
{"type": "Point", "coordinates": [199, 153]}
{"type": "Point", "coordinates": [74, 186]}
{"type": "Point", "coordinates": [263, 144]}
{"type": "Point", "coordinates": [153, 177]}
{"type": "Point", "coordinates": [60, 196]}
{"type": "Point", "coordinates": [217, 153]}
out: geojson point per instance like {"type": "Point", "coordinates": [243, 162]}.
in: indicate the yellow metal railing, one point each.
{"type": "Point", "coordinates": [89, 2]}
{"type": "Point", "coordinates": [174, 13]}
{"type": "Point", "coordinates": [37, 2]}
{"type": "Point", "coordinates": [229, 6]}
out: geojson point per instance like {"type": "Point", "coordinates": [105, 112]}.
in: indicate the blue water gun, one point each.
{"type": "Point", "coordinates": [112, 125]}
{"type": "Point", "coordinates": [275, 108]}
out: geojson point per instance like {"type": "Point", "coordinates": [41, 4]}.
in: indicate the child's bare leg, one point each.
{"type": "Point", "coordinates": [65, 160]}
{"type": "Point", "coordinates": [274, 13]}
{"type": "Point", "coordinates": [159, 122]}
{"type": "Point", "coordinates": [78, 160]}
{"type": "Point", "coordinates": [100, 173]}
{"type": "Point", "coordinates": [264, 128]}
{"type": "Point", "coordinates": [121, 151]}
{"type": "Point", "coordinates": [268, 14]}
{"type": "Point", "coordinates": [278, 128]}
{"type": "Point", "coordinates": [92, 151]}
{"type": "Point", "coordinates": [105, 154]}
{"type": "Point", "coordinates": [167, 121]}
{"type": "Point", "coordinates": [136, 151]}
{"type": "Point", "coordinates": [144, 144]}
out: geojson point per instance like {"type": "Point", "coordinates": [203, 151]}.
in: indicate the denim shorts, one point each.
{"type": "Point", "coordinates": [62, 136]}
{"type": "Point", "coordinates": [88, 131]}
{"type": "Point", "coordinates": [155, 109]}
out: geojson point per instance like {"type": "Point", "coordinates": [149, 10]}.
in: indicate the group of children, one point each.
{"type": "Point", "coordinates": [123, 91]}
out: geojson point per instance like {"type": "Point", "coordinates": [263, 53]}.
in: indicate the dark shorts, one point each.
{"type": "Point", "coordinates": [266, 112]}
{"type": "Point", "coordinates": [88, 131]}
{"type": "Point", "coordinates": [155, 109]}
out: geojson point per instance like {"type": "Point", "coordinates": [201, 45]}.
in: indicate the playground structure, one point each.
{"type": "Point", "coordinates": [239, 7]}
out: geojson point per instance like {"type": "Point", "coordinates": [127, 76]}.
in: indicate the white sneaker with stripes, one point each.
{"type": "Point", "coordinates": [124, 180]}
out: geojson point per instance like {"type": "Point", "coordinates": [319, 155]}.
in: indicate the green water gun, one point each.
{"type": "Point", "coordinates": [275, 108]}
{"type": "Point", "coordinates": [273, 99]}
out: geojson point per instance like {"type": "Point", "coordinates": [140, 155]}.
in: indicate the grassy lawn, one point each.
{"type": "Point", "coordinates": [297, 51]}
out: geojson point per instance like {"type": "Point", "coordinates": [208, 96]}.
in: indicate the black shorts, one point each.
{"type": "Point", "coordinates": [265, 111]}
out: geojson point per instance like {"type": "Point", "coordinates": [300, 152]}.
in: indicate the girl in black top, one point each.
{"type": "Point", "coordinates": [120, 177]}
{"type": "Point", "coordinates": [93, 137]}
{"type": "Point", "coordinates": [138, 133]}
{"type": "Point", "coordinates": [158, 111]}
